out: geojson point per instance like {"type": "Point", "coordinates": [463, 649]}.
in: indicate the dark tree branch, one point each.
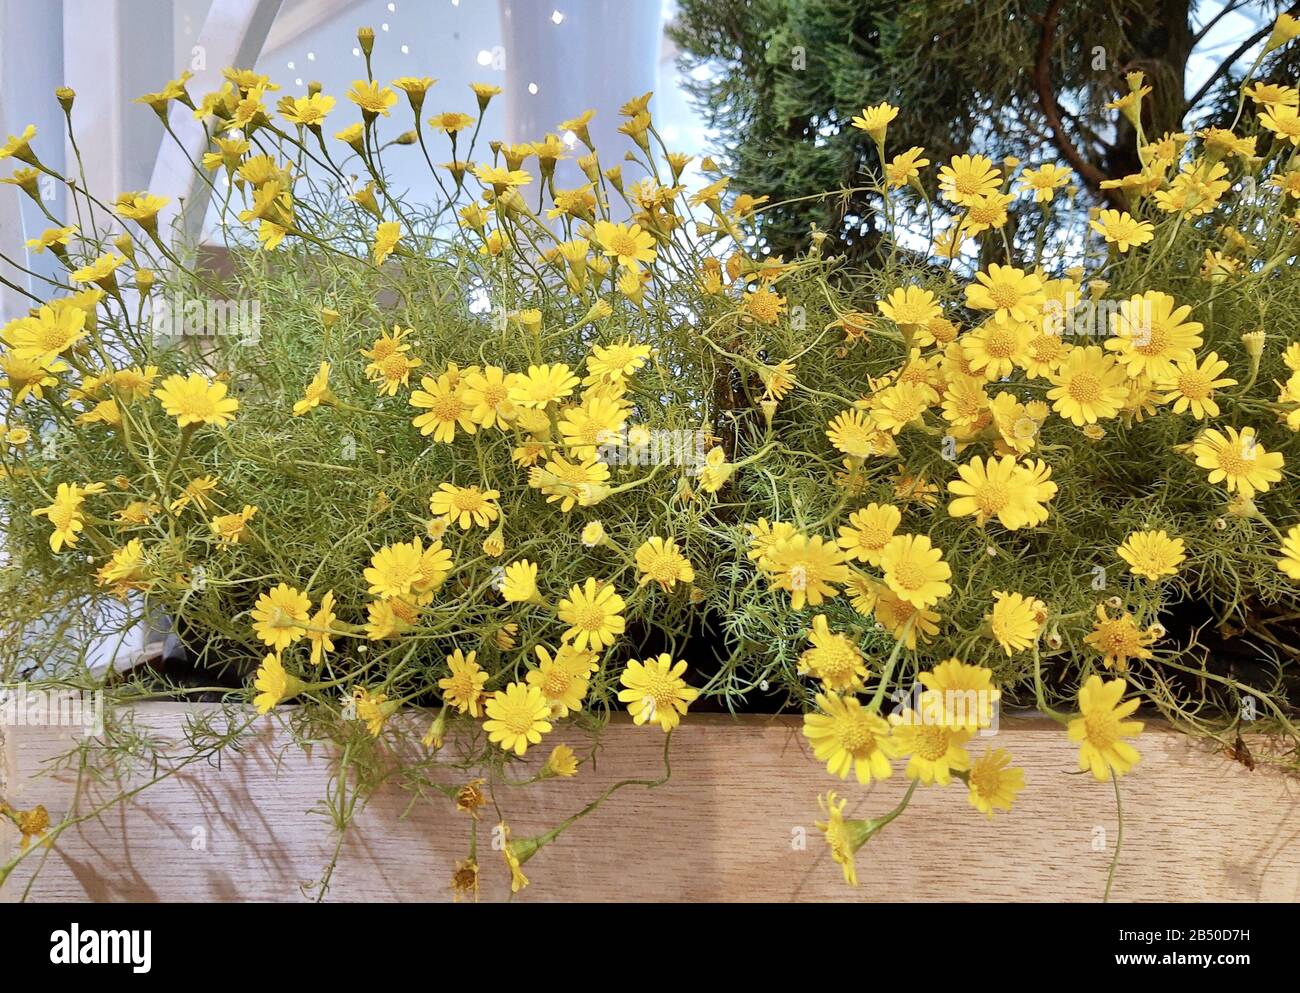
{"type": "Point", "coordinates": [1231, 60]}
{"type": "Point", "coordinates": [1209, 25]}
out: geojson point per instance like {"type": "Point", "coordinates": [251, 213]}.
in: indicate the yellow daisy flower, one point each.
{"type": "Point", "coordinates": [807, 568]}
{"type": "Point", "coordinates": [996, 348]}
{"type": "Point", "coordinates": [1101, 727]}
{"type": "Point", "coordinates": [967, 177]}
{"type": "Point", "coordinates": [849, 738]}
{"type": "Point", "coordinates": [1237, 460]}
{"type": "Point", "coordinates": [274, 685]}
{"type": "Point", "coordinates": [833, 658]}
{"type": "Point", "coordinates": [1088, 386]}
{"type": "Point", "coordinates": [467, 506]}
{"type": "Point", "coordinates": [594, 613]}
{"type": "Point", "coordinates": [1191, 386]}
{"type": "Point", "coordinates": [1151, 333]}
{"type": "Point", "coordinates": [934, 751]}
{"type": "Point", "coordinates": [280, 616]}
{"type": "Point", "coordinates": [1119, 639]}
{"type": "Point", "coordinates": [318, 392]}
{"type": "Point", "coordinates": [1152, 554]}
{"type": "Point", "coordinates": [1011, 293]}
{"type": "Point", "coordinates": [563, 684]}
{"type": "Point", "coordinates": [915, 570]}
{"type": "Point", "coordinates": [660, 560]}
{"type": "Point", "coordinates": [463, 688]}
{"type": "Point", "coordinates": [1016, 620]}
{"type": "Point", "coordinates": [518, 716]}
{"type": "Point", "coordinates": [993, 783]}
{"type": "Point", "coordinates": [655, 691]}
{"type": "Point", "coordinates": [868, 531]}
{"type": "Point", "coordinates": [446, 407]}
{"type": "Point", "coordinates": [196, 400]}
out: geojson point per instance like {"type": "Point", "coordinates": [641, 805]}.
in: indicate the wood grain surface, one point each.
{"type": "Point", "coordinates": [728, 826]}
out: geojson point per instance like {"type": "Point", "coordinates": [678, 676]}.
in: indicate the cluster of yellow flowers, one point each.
{"type": "Point", "coordinates": [558, 399]}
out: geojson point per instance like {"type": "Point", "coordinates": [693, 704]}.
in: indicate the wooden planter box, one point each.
{"type": "Point", "coordinates": [727, 827]}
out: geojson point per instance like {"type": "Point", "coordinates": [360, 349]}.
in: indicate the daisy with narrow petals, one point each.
{"type": "Point", "coordinates": [1101, 727]}
{"type": "Point", "coordinates": [446, 406]}
{"type": "Point", "coordinates": [280, 616]}
{"type": "Point", "coordinates": [1121, 229]}
{"type": "Point", "coordinates": [518, 716]}
{"type": "Point", "coordinates": [868, 531]}
{"type": "Point", "coordinates": [317, 392]}
{"type": "Point", "coordinates": [915, 570]}
{"type": "Point", "coordinates": [1011, 293]}
{"type": "Point", "coordinates": [629, 245]}
{"type": "Point", "coordinates": [1190, 385]}
{"type": "Point", "coordinates": [655, 691]}
{"type": "Point", "coordinates": [1237, 460]}
{"type": "Point", "coordinates": [993, 782]}
{"type": "Point", "coordinates": [833, 658]}
{"type": "Point", "coordinates": [849, 738]}
{"type": "Point", "coordinates": [194, 399]}
{"type": "Point", "coordinates": [659, 560]}
{"type": "Point", "coordinates": [1119, 639]}
{"type": "Point", "coordinates": [1088, 386]}
{"type": "Point", "coordinates": [875, 120]}
{"type": "Point", "coordinates": [519, 582]}
{"type": "Point", "coordinates": [1151, 333]}
{"type": "Point", "coordinates": [844, 836]}
{"type": "Point", "coordinates": [998, 488]}
{"type": "Point", "coordinates": [594, 613]}
{"type": "Point", "coordinates": [463, 688]}
{"type": "Point", "coordinates": [958, 695]}
{"type": "Point", "coordinates": [1152, 554]}
{"type": "Point", "coordinates": [541, 386]}
{"type": "Point", "coordinates": [274, 685]}
{"type": "Point", "coordinates": [809, 569]}
{"type": "Point", "coordinates": [967, 177]}
{"type": "Point", "coordinates": [1044, 181]}
{"type": "Point", "coordinates": [467, 506]}
{"type": "Point", "coordinates": [1016, 620]}
{"type": "Point", "coordinates": [934, 751]}
{"type": "Point", "coordinates": [563, 684]}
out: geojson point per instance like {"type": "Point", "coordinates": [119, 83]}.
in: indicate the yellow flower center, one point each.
{"type": "Point", "coordinates": [589, 617]}
{"type": "Point", "coordinates": [856, 735]}
{"type": "Point", "coordinates": [1233, 463]}
{"type": "Point", "coordinates": [1085, 387]}
{"type": "Point", "coordinates": [1102, 729]}
{"type": "Point", "coordinates": [1000, 342]}
{"type": "Point", "coordinates": [1194, 385]}
{"type": "Point", "coordinates": [985, 779]}
{"type": "Point", "coordinates": [1157, 339]}
{"type": "Point", "coordinates": [931, 742]}
{"type": "Point", "coordinates": [393, 366]}
{"type": "Point", "coordinates": [468, 501]}
{"type": "Point", "coordinates": [909, 575]}
{"type": "Point", "coordinates": [835, 662]}
{"type": "Point", "coordinates": [623, 244]}
{"type": "Point", "coordinates": [518, 718]}
{"type": "Point", "coordinates": [1005, 295]}
{"type": "Point", "coordinates": [557, 682]}
{"type": "Point", "coordinates": [993, 496]}
{"type": "Point", "coordinates": [448, 407]}
{"type": "Point", "coordinates": [61, 515]}
{"type": "Point", "coordinates": [664, 568]}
